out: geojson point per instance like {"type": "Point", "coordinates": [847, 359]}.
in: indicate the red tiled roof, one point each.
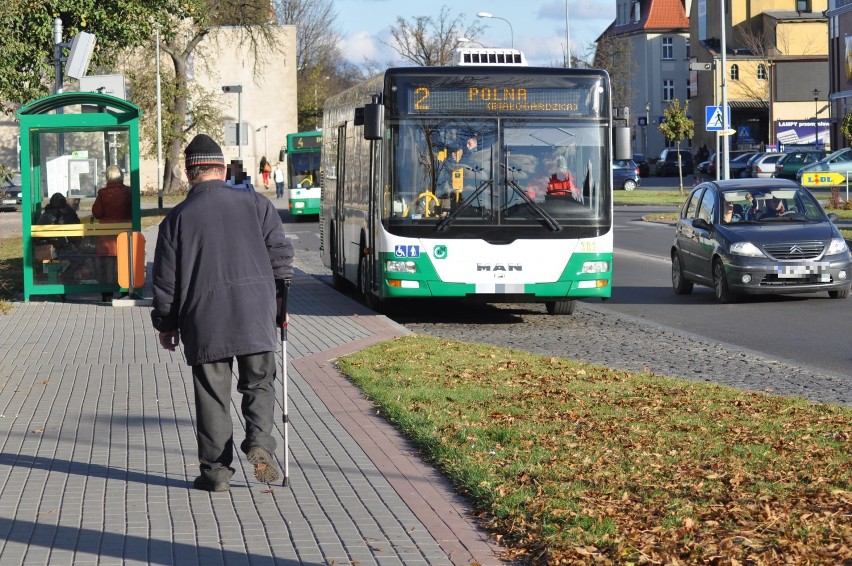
{"type": "Point", "coordinates": [656, 14]}
{"type": "Point", "coordinates": [666, 14]}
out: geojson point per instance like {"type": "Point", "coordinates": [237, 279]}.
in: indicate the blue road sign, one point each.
{"type": "Point", "coordinates": [714, 120]}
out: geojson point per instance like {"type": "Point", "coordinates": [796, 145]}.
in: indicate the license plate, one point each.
{"type": "Point", "coordinates": [299, 205]}
{"type": "Point", "coordinates": [792, 271]}
{"type": "Point", "coordinates": [10, 201]}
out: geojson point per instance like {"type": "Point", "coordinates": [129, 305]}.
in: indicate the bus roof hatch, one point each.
{"type": "Point", "coordinates": [488, 56]}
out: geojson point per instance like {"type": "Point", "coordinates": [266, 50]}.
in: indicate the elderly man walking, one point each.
{"type": "Point", "coordinates": [220, 259]}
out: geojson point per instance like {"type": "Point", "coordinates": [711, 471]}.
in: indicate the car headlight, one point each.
{"type": "Point", "coordinates": [837, 246]}
{"type": "Point", "coordinates": [746, 248]}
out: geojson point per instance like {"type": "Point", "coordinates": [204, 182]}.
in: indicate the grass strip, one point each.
{"type": "Point", "coordinates": [567, 461]}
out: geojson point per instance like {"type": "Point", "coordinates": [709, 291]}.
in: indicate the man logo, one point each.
{"type": "Point", "coordinates": [440, 252]}
{"type": "Point", "coordinates": [498, 267]}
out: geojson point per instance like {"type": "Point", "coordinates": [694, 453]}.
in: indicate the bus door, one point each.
{"type": "Point", "coordinates": [340, 203]}
{"type": "Point", "coordinates": [376, 192]}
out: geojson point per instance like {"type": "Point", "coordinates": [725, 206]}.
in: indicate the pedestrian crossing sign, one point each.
{"type": "Point", "coordinates": [713, 118]}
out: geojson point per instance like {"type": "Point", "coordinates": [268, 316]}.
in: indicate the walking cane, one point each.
{"type": "Point", "coordinates": [282, 321]}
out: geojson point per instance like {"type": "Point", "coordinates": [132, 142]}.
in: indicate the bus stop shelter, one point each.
{"type": "Point", "coordinates": [67, 142]}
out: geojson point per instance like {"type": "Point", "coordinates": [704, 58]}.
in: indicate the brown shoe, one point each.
{"type": "Point", "coordinates": [264, 464]}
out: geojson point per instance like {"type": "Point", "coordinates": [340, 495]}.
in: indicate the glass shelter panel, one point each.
{"type": "Point", "coordinates": [72, 169]}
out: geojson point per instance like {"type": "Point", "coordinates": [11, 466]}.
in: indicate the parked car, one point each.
{"type": "Point", "coordinates": [625, 174]}
{"type": "Point", "coordinates": [10, 193]}
{"type": "Point", "coordinates": [763, 165]}
{"type": "Point", "coordinates": [738, 164]}
{"type": "Point", "coordinates": [642, 163]}
{"type": "Point", "coordinates": [704, 166]}
{"type": "Point", "coordinates": [789, 165]}
{"type": "Point", "coordinates": [839, 161]}
{"type": "Point", "coordinates": [667, 162]}
{"type": "Point", "coordinates": [732, 155]}
{"type": "Point", "coordinates": [789, 244]}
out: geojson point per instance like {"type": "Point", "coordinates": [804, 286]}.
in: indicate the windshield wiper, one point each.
{"type": "Point", "coordinates": [546, 219]}
{"type": "Point", "coordinates": [444, 223]}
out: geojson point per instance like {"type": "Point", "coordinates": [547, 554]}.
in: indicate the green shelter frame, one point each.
{"type": "Point", "coordinates": [67, 142]}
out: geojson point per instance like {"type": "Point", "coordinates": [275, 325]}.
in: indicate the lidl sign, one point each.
{"type": "Point", "coordinates": [823, 179]}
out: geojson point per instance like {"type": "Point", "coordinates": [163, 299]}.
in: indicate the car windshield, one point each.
{"type": "Point", "coordinates": [786, 204]}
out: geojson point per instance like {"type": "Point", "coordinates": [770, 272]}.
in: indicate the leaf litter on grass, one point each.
{"type": "Point", "coordinates": [567, 462]}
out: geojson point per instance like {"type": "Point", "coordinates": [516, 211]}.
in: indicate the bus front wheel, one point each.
{"type": "Point", "coordinates": [559, 307]}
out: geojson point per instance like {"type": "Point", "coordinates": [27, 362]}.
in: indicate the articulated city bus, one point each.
{"type": "Point", "coordinates": [476, 181]}
{"type": "Point", "coordinates": [303, 170]}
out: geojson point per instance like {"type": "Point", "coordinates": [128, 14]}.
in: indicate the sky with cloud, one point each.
{"type": "Point", "coordinates": [537, 27]}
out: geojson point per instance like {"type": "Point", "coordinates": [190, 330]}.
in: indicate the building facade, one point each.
{"type": "Point", "coordinates": [775, 71]}
{"type": "Point", "coordinates": [657, 32]}
{"type": "Point", "coordinates": [839, 66]}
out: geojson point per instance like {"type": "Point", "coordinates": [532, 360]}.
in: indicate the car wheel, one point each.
{"type": "Point", "coordinates": [559, 307]}
{"type": "Point", "coordinates": [842, 294]}
{"type": "Point", "coordinates": [680, 284]}
{"type": "Point", "coordinates": [629, 185]}
{"type": "Point", "coordinates": [720, 284]}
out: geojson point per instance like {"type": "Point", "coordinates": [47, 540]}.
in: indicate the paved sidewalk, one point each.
{"type": "Point", "coordinates": [98, 452]}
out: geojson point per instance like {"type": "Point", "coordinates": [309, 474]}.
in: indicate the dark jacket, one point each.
{"type": "Point", "coordinates": [219, 254]}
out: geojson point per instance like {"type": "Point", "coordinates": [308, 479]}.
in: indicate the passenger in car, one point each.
{"type": "Point", "coordinates": [774, 207]}
{"type": "Point", "coordinates": [750, 209]}
{"type": "Point", "coordinates": [731, 212]}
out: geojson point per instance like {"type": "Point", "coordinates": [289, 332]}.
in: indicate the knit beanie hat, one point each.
{"type": "Point", "coordinates": [203, 150]}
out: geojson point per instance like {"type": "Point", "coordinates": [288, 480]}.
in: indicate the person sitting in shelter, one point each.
{"type": "Point", "coordinates": [57, 211]}
{"type": "Point", "coordinates": [112, 205]}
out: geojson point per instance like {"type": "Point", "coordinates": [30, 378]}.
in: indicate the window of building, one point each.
{"type": "Point", "coordinates": [668, 89]}
{"type": "Point", "coordinates": [761, 72]}
{"type": "Point", "coordinates": [735, 72]}
{"type": "Point", "coordinates": [687, 48]}
{"type": "Point", "coordinates": [803, 5]}
{"type": "Point", "coordinates": [668, 48]}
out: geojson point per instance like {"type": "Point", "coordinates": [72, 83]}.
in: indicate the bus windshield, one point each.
{"type": "Point", "coordinates": [304, 169]}
{"type": "Point", "coordinates": [538, 176]}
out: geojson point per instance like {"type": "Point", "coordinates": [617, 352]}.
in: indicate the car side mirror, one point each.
{"type": "Point", "coordinates": [832, 216]}
{"type": "Point", "coordinates": [701, 223]}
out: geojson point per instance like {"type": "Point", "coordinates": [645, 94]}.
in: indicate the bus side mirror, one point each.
{"type": "Point", "coordinates": [622, 143]}
{"type": "Point", "coordinates": [374, 118]}
{"type": "Point", "coordinates": [358, 119]}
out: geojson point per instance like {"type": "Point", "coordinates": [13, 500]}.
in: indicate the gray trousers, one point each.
{"type": "Point", "coordinates": [215, 436]}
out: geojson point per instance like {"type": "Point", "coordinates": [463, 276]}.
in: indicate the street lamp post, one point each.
{"type": "Point", "coordinates": [647, 121]}
{"type": "Point", "coordinates": [816, 114]}
{"type": "Point", "coordinates": [238, 89]}
{"type": "Point", "coordinates": [264, 128]}
{"type": "Point", "coordinates": [490, 15]}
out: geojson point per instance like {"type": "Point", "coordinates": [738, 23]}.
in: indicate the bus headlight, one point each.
{"type": "Point", "coordinates": [401, 267]}
{"type": "Point", "coordinates": [595, 267]}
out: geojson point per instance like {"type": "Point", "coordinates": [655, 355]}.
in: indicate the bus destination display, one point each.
{"type": "Point", "coordinates": [496, 99]}
{"type": "Point", "coordinates": [308, 142]}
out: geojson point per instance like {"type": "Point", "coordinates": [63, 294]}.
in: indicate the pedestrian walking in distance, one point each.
{"type": "Point", "coordinates": [221, 259]}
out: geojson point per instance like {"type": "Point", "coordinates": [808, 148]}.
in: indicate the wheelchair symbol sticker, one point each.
{"type": "Point", "coordinates": [406, 251]}
{"type": "Point", "coordinates": [440, 252]}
